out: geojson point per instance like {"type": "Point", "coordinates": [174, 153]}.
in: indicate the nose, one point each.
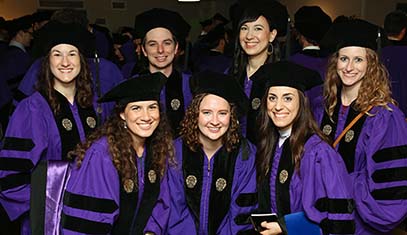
{"type": "Point", "coordinates": [145, 115]}
{"type": "Point", "coordinates": [160, 48]}
{"type": "Point", "coordinates": [65, 60]}
{"type": "Point", "coordinates": [349, 66]}
{"type": "Point", "coordinates": [279, 105]}
{"type": "Point", "coordinates": [249, 34]}
{"type": "Point", "coordinates": [214, 120]}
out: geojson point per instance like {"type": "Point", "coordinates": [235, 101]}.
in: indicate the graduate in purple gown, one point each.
{"type": "Point", "coordinates": [43, 129]}
{"type": "Point", "coordinates": [212, 56]}
{"type": "Point", "coordinates": [105, 74]}
{"type": "Point", "coordinates": [311, 24]}
{"type": "Point", "coordinates": [300, 176]}
{"type": "Point", "coordinates": [162, 30]}
{"type": "Point", "coordinates": [261, 22]}
{"type": "Point", "coordinates": [213, 185]}
{"type": "Point", "coordinates": [119, 184]}
{"type": "Point", "coordinates": [374, 147]}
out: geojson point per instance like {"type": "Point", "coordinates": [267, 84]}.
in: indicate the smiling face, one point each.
{"type": "Point", "coordinates": [160, 49]}
{"type": "Point", "coordinates": [283, 104]}
{"type": "Point", "coordinates": [351, 66]}
{"type": "Point", "coordinates": [65, 64]}
{"type": "Point", "coordinates": [213, 119]}
{"type": "Point", "coordinates": [254, 37]}
{"type": "Point", "coordinates": [142, 118]}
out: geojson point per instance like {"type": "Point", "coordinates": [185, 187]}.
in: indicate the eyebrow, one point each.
{"type": "Point", "coordinates": [285, 94]}
{"type": "Point", "coordinates": [73, 50]}
{"type": "Point", "coordinates": [165, 40]}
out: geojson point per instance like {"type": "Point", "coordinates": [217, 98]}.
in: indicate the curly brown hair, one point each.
{"type": "Point", "coordinates": [83, 82]}
{"type": "Point", "coordinates": [304, 125]}
{"type": "Point", "coordinates": [120, 147]}
{"type": "Point", "coordinates": [374, 89]}
{"type": "Point", "coordinates": [190, 130]}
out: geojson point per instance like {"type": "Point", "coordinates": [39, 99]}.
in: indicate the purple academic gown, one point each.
{"type": "Point", "coordinates": [242, 194]}
{"type": "Point", "coordinates": [103, 46]}
{"type": "Point", "coordinates": [98, 180]}
{"type": "Point", "coordinates": [32, 136]}
{"type": "Point", "coordinates": [378, 174]}
{"type": "Point", "coordinates": [109, 77]}
{"type": "Point", "coordinates": [395, 60]}
{"type": "Point", "coordinates": [315, 183]}
{"type": "Point", "coordinates": [129, 51]}
{"type": "Point", "coordinates": [213, 61]}
{"type": "Point", "coordinates": [127, 69]}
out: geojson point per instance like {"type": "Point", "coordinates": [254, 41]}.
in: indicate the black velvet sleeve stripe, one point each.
{"type": "Point", "coordinates": [14, 180]}
{"type": "Point", "coordinates": [246, 199]}
{"type": "Point", "coordinates": [335, 206]}
{"type": "Point", "coordinates": [89, 203]}
{"type": "Point", "coordinates": [85, 226]}
{"type": "Point", "coordinates": [338, 226]}
{"type": "Point", "coordinates": [19, 144]}
{"type": "Point", "coordinates": [394, 193]}
{"type": "Point", "coordinates": [15, 164]}
{"type": "Point", "coordinates": [390, 154]}
{"type": "Point", "coordinates": [390, 175]}
{"type": "Point", "coordinates": [242, 219]}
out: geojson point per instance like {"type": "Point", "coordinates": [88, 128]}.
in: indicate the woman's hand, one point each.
{"type": "Point", "coordinates": [272, 228]}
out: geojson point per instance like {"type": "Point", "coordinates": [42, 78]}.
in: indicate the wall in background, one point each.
{"type": "Point", "coordinates": [372, 10]}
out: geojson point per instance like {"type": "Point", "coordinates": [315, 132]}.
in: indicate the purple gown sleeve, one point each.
{"type": "Point", "coordinates": [30, 78]}
{"type": "Point", "coordinates": [92, 198]}
{"type": "Point", "coordinates": [327, 194]}
{"type": "Point", "coordinates": [380, 186]}
{"type": "Point", "coordinates": [26, 140]}
{"type": "Point", "coordinates": [186, 90]}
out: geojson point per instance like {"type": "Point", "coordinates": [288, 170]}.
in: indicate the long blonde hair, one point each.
{"type": "Point", "coordinates": [374, 89]}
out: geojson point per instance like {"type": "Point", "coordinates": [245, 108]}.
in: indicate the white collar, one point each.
{"type": "Point", "coordinates": [17, 44]}
{"type": "Point", "coordinates": [283, 136]}
{"type": "Point", "coordinates": [311, 48]}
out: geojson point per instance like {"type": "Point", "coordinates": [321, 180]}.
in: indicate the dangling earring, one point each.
{"type": "Point", "coordinates": [270, 49]}
{"type": "Point", "coordinates": [125, 125]}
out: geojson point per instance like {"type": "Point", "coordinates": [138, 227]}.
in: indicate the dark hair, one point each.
{"type": "Point", "coordinates": [190, 130]}
{"type": "Point", "coordinates": [69, 15]}
{"type": "Point", "coordinates": [83, 81]}
{"type": "Point", "coordinates": [173, 38]}
{"type": "Point", "coordinates": [304, 125]}
{"type": "Point", "coordinates": [394, 22]}
{"type": "Point", "coordinates": [120, 147]}
{"type": "Point", "coordinates": [240, 58]}
{"type": "Point", "coordinates": [144, 63]}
